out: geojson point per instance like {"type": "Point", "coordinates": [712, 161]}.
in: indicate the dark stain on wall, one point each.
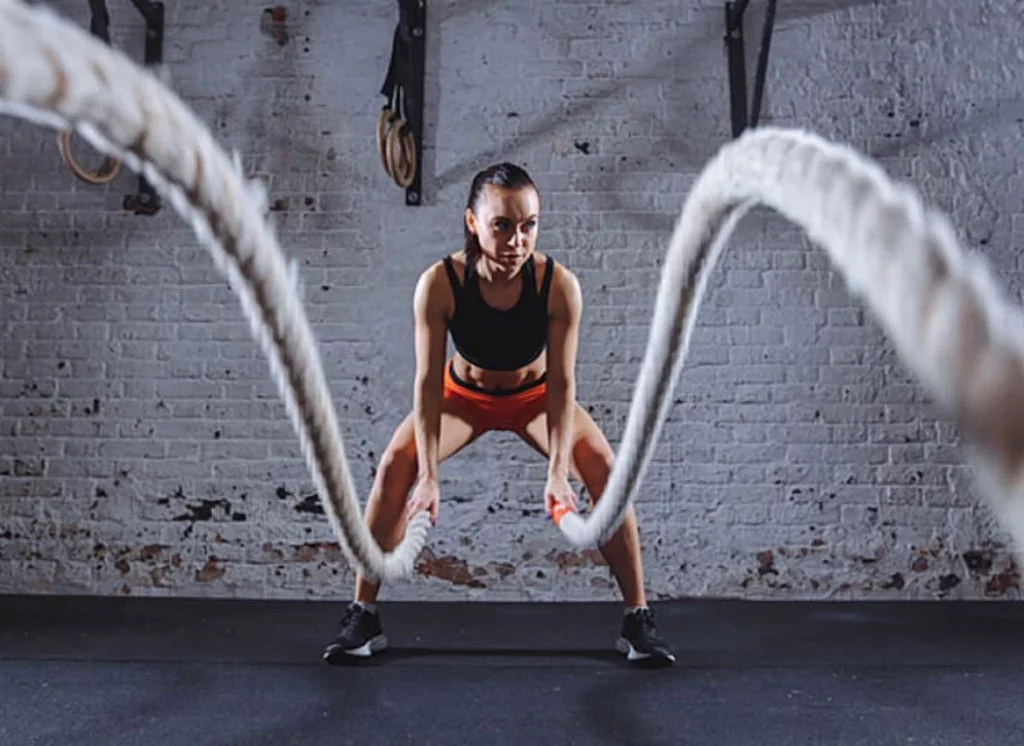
{"type": "Point", "coordinates": [211, 571]}
{"type": "Point", "coordinates": [766, 563]}
{"type": "Point", "coordinates": [203, 510]}
{"type": "Point", "coordinates": [451, 569]}
{"type": "Point", "coordinates": [273, 23]}
{"type": "Point", "coordinates": [310, 504]}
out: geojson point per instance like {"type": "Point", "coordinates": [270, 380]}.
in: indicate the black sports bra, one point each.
{"type": "Point", "coordinates": [500, 339]}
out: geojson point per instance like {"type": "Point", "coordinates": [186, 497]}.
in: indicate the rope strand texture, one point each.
{"type": "Point", "coordinates": [54, 74]}
{"type": "Point", "coordinates": [949, 322]}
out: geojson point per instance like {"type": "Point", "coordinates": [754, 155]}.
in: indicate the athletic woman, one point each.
{"type": "Point", "coordinates": [514, 318]}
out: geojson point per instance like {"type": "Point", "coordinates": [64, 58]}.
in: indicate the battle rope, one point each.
{"type": "Point", "coordinates": [941, 307]}
{"type": "Point", "coordinates": [53, 74]}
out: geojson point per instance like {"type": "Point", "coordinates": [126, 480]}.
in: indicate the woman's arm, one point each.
{"type": "Point", "coordinates": [431, 326]}
{"type": "Point", "coordinates": [566, 305]}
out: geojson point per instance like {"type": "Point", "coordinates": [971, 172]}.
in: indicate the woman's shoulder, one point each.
{"type": "Point", "coordinates": [435, 287]}
{"type": "Point", "coordinates": [438, 275]}
{"type": "Point", "coordinates": [453, 262]}
{"type": "Point", "coordinates": [560, 273]}
{"type": "Point", "coordinates": [541, 263]}
{"type": "Point", "coordinates": [564, 292]}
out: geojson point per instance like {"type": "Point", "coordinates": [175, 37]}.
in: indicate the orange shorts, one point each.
{"type": "Point", "coordinates": [489, 410]}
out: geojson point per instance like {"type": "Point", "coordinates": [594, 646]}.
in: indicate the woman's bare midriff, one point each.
{"type": "Point", "coordinates": [498, 380]}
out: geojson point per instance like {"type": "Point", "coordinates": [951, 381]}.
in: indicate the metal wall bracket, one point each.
{"type": "Point", "coordinates": [99, 21]}
{"type": "Point", "coordinates": [400, 123]}
{"type": "Point", "coordinates": [734, 11]}
{"type": "Point", "coordinates": [147, 201]}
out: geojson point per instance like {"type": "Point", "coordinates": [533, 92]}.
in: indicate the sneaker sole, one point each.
{"type": "Point", "coordinates": [374, 645]}
{"type": "Point", "coordinates": [633, 655]}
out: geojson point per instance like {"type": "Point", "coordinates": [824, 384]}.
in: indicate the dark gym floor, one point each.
{"type": "Point", "coordinates": [115, 671]}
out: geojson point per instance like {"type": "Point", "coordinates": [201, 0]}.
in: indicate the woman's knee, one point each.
{"type": "Point", "coordinates": [594, 465]}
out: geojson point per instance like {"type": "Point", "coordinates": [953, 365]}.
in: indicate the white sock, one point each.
{"type": "Point", "coordinates": [372, 608]}
{"type": "Point", "coordinates": [631, 609]}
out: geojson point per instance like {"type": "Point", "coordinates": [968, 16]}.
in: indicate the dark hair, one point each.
{"type": "Point", "coordinates": [507, 175]}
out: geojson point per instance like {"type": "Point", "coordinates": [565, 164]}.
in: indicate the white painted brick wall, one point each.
{"type": "Point", "coordinates": [145, 450]}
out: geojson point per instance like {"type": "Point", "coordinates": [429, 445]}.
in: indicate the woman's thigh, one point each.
{"type": "Point", "coordinates": [592, 454]}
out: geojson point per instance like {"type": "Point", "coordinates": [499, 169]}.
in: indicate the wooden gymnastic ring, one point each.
{"type": "Point", "coordinates": [382, 134]}
{"type": "Point", "coordinates": [105, 174]}
{"type": "Point", "coordinates": [397, 165]}
{"type": "Point", "coordinates": [401, 155]}
{"type": "Point", "coordinates": [409, 153]}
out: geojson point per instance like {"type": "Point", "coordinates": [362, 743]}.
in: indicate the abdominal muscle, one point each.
{"type": "Point", "coordinates": [498, 380]}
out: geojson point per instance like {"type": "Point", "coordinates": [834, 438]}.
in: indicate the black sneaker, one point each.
{"type": "Point", "coordinates": [640, 641]}
{"type": "Point", "coordinates": [359, 636]}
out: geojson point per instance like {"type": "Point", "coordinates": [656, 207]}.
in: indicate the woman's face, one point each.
{"type": "Point", "coordinates": [505, 224]}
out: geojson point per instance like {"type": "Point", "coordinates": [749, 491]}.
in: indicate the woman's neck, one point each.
{"type": "Point", "coordinates": [491, 273]}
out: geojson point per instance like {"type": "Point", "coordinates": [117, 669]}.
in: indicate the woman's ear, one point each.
{"type": "Point", "coordinates": [471, 222]}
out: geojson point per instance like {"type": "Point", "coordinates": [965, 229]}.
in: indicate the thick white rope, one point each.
{"type": "Point", "coordinates": [948, 320]}
{"type": "Point", "coordinates": [941, 307]}
{"type": "Point", "coordinates": [55, 74]}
